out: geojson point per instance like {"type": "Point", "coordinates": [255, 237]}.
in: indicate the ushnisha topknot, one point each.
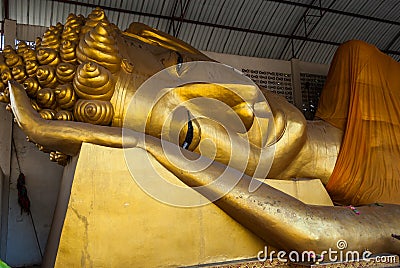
{"type": "Point", "coordinates": [70, 72]}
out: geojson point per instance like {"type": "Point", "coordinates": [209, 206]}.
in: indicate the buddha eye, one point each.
{"type": "Point", "coordinates": [189, 136]}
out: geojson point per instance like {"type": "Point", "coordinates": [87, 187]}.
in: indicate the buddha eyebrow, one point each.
{"type": "Point", "coordinates": [189, 134]}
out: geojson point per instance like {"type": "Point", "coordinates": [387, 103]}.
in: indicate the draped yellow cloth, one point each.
{"type": "Point", "coordinates": [362, 97]}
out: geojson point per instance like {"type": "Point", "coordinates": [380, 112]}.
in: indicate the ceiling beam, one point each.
{"type": "Point", "coordinates": [171, 27]}
{"type": "Point", "coordinates": [182, 6]}
{"type": "Point", "coordinates": [213, 25]}
{"type": "Point", "coordinates": [335, 11]}
{"type": "Point", "coordinates": [320, 17]}
{"type": "Point", "coordinates": [302, 19]}
{"type": "Point", "coordinates": [115, 9]}
{"type": "Point", "coordinates": [393, 41]}
{"type": "Point", "coordinates": [6, 8]}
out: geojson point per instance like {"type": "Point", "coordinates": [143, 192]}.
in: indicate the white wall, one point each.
{"type": "Point", "coordinates": [313, 68]}
{"type": "Point", "coordinates": [29, 32]}
{"type": "Point", "coordinates": [43, 179]}
{"type": "Point", "coordinates": [252, 67]}
{"type": "Point", "coordinates": [243, 62]}
{"type": "Point", "coordinates": [268, 65]}
{"type": "Point", "coordinates": [42, 182]}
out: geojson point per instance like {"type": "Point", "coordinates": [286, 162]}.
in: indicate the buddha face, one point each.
{"type": "Point", "coordinates": [223, 114]}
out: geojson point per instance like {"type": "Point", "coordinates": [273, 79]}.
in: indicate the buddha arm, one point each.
{"type": "Point", "coordinates": [284, 221]}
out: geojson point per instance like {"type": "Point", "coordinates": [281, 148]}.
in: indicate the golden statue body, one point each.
{"type": "Point", "coordinates": [83, 81]}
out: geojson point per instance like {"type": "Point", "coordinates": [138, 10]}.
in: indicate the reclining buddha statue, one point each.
{"type": "Point", "coordinates": [88, 81]}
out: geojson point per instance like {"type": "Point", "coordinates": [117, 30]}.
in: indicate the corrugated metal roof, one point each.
{"type": "Point", "coordinates": [306, 29]}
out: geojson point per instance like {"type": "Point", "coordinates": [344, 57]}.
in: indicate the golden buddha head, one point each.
{"type": "Point", "coordinates": [88, 70]}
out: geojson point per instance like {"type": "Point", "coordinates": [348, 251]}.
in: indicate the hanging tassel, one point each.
{"type": "Point", "coordinates": [23, 199]}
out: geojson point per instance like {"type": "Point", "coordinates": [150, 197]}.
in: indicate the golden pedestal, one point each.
{"type": "Point", "coordinates": [111, 222]}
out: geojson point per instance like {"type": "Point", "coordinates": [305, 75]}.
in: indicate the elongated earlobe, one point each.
{"type": "Point", "coordinates": [245, 112]}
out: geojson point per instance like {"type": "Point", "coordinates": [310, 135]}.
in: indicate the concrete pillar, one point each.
{"type": "Point", "coordinates": [6, 125]}
{"type": "Point", "coordinates": [10, 32]}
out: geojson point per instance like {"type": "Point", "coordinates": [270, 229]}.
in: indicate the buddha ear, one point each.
{"type": "Point", "coordinates": [241, 98]}
{"type": "Point", "coordinates": [246, 114]}
{"type": "Point", "coordinates": [246, 96]}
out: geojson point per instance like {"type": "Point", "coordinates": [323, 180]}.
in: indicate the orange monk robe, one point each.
{"type": "Point", "coordinates": [362, 97]}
